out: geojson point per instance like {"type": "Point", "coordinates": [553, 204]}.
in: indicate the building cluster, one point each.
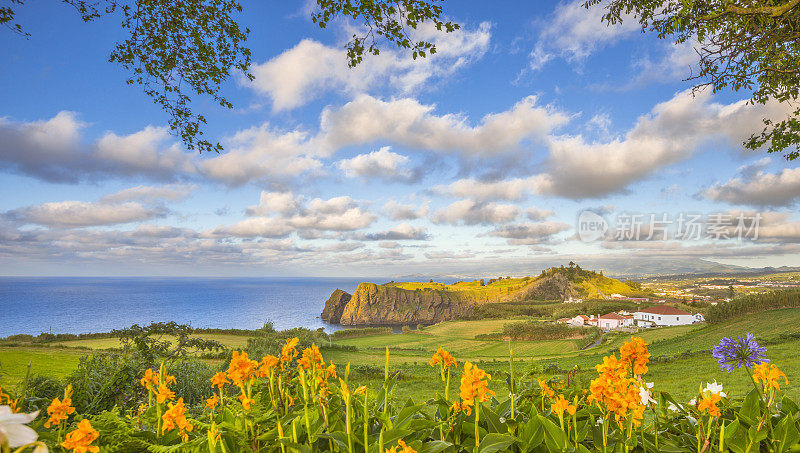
{"type": "Point", "coordinates": [660, 315]}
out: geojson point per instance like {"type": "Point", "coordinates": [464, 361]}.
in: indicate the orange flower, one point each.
{"type": "Point", "coordinates": [442, 358]}
{"type": "Point", "coordinates": [246, 401]}
{"type": "Point", "coordinates": [267, 365]}
{"type": "Point", "coordinates": [241, 368]}
{"type": "Point", "coordinates": [769, 374]}
{"type": "Point", "coordinates": [175, 417]}
{"type": "Point", "coordinates": [546, 390]}
{"type": "Point", "coordinates": [312, 358]}
{"type": "Point", "coordinates": [219, 379]}
{"type": "Point", "coordinates": [288, 352]}
{"type": "Point", "coordinates": [164, 393]}
{"type": "Point", "coordinates": [617, 392]}
{"type": "Point", "coordinates": [212, 402]}
{"type": "Point", "coordinates": [79, 440]}
{"type": "Point", "coordinates": [561, 405]}
{"type": "Point", "coordinates": [458, 407]}
{"type": "Point", "coordinates": [60, 409]}
{"type": "Point", "coordinates": [6, 398]}
{"type": "Point", "coordinates": [403, 448]}
{"type": "Point", "coordinates": [150, 379]}
{"type": "Point", "coordinates": [474, 385]}
{"type": "Point", "coordinates": [634, 354]}
{"type": "Point", "coordinates": [709, 403]}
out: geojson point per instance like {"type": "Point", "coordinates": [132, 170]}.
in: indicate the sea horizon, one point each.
{"type": "Point", "coordinates": [80, 305]}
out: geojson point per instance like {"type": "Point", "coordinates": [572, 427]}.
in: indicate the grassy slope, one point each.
{"type": "Point", "coordinates": [411, 351]}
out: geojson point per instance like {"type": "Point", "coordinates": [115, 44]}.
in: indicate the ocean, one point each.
{"type": "Point", "coordinates": [32, 305]}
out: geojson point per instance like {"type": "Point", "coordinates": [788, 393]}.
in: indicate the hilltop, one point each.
{"type": "Point", "coordinates": [409, 303]}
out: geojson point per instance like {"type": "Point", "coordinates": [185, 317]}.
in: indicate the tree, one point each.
{"type": "Point", "coordinates": [179, 49]}
{"type": "Point", "coordinates": [751, 45]}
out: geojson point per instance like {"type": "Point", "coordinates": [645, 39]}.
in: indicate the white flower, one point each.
{"type": "Point", "coordinates": [715, 388]}
{"type": "Point", "coordinates": [13, 429]}
{"type": "Point", "coordinates": [650, 384]}
{"type": "Point", "coordinates": [599, 421]}
{"type": "Point", "coordinates": [644, 394]}
{"type": "Point", "coordinates": [502, 419]}
{"type": "Point", "coordinates": [672, 407]}
{"type": "Point", "coordinates": [692, 401]}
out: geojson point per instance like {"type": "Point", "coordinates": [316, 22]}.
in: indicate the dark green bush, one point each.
{"type": "Point", "coordinates": [361, 332]}
{"type": "Point", "coordinates": [753, 303]}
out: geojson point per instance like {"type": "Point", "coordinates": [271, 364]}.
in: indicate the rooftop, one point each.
{"type": "Point", "coordinates": [664, 310]}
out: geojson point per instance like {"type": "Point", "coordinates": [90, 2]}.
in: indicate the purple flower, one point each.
{"type": "Point", "coordinates": [742, 352]}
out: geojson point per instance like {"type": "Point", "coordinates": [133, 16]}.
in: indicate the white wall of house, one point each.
{"type": "Point", "coordinates": [664, 320]}
{"type": "Point", "coordinates": [576, 321]}
{"type": "Point", "coordinates": [609, 323]}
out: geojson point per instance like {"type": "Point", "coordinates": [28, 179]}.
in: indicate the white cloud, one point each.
{"type": "Point", "coordinates": [529, 233]}
{"type": "Point", "coordinates": [266, 227]}
{"type": "Point", "coordinates": [510, 190]}
{"type": "Point", "coordinates": [402, 232]}
{"type": "Point", "coordinates": [171, 192]}
{"type": "Point", "coordinates": [574, 32]}
{"type": "Point", "coordinates": [399, 211]}
{"type": "Point", "coordinates": [310, 69]}
{"type": "Point", "coordinates": [537, 214]}
{"type": "Point", "coordinates": [383, 164]}
{"type": "Point", "coordinates": [275, 202]}
{"type": "Point", "coordinates": [408, 123]}
{"type": "Point", "coordinates": [471, 212]}
{"type": "Point", "coordinates": [676, 64]}
{"type": "Point", "coordinates": [260, 153]}
{"type": "Point", "coordinates": [759, 189]}
{"type": "Point", "coordinates": [279, 214]}
{"type": "Point", "coordinates": [77, 214]}
{"type": "Point", "coordinates": [670, 133]}
{"type": "Point", "coordinates": [53, 150]}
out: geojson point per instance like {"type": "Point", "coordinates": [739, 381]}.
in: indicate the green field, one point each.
{"type": "Point", "coordinates": [681, 355]}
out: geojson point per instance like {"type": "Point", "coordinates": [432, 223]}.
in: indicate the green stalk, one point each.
{"type": "Point", "coordinates": [305, 408]}
{"type": "Point", "coordinates": [386, 383]}
{"type": "Point", "coordinates": [366, 424]}
{"type": "Point", "coordinates": [513, 386]}
{"type": "Point", "coordinates": [347, 424]}
{"type": "Point", "coordinates": [477, 418]}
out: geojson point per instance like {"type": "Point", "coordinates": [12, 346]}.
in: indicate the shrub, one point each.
{"type": "Point", "coordinates": [753, 303]}
{"type": "Point", "coordinates": [361, 332]}
{"type": "Point", "coordinates": [537, 330]}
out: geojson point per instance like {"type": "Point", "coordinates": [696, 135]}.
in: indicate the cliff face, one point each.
{"type": "Point", "coordinates": [334, 306]}
{"type": "Point", "coordinates": [389, 304]}
{"type": "Point", "coordinates": [378, 304]}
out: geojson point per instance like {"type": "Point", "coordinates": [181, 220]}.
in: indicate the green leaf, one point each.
{"type": "Point", "coordinates": [492, 421]}
{"type": "Point", "coordinates": [750, 411]}
{"type": "Point", "coordinates": [435, 446]}
{"type": "Point", "coordinates": [531, 434]}
{"type": "Point", "coordinates": [786, 434]}
{"type": "Point", "coordinates": [554, 436]}
{"type": "Point", "coordinates": [493, 442]}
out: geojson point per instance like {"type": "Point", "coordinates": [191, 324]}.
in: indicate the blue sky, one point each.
{"type": "Point", "coordinates": [477, 160]}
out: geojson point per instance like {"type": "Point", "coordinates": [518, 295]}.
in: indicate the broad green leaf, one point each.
{"type": "Point", "coordinates": [493, 442]}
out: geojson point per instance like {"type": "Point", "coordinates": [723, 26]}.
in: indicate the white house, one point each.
{"type": "Point", "coordinates": [613, 320]}
{"type": "Point", "coordinates": [580, 320]}
{"type": "Point", "coordinates": [698, 317]}
{"type": "Point", "coordinates": [663, 315]}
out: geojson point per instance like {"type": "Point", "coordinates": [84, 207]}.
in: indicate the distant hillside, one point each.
{"type": "Point", "coordinates": [408, 303]}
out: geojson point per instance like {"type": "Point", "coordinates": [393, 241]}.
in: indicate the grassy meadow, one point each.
{"type": "Point", "coordinates": [681, 355]}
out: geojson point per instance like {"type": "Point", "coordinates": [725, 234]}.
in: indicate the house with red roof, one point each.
{"type": "Point", "coordinates": [663, 315]}
{"type": "Point", "coordinates": [613, 321]}
{"type": "Point", "coordinates": [583, 320]}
